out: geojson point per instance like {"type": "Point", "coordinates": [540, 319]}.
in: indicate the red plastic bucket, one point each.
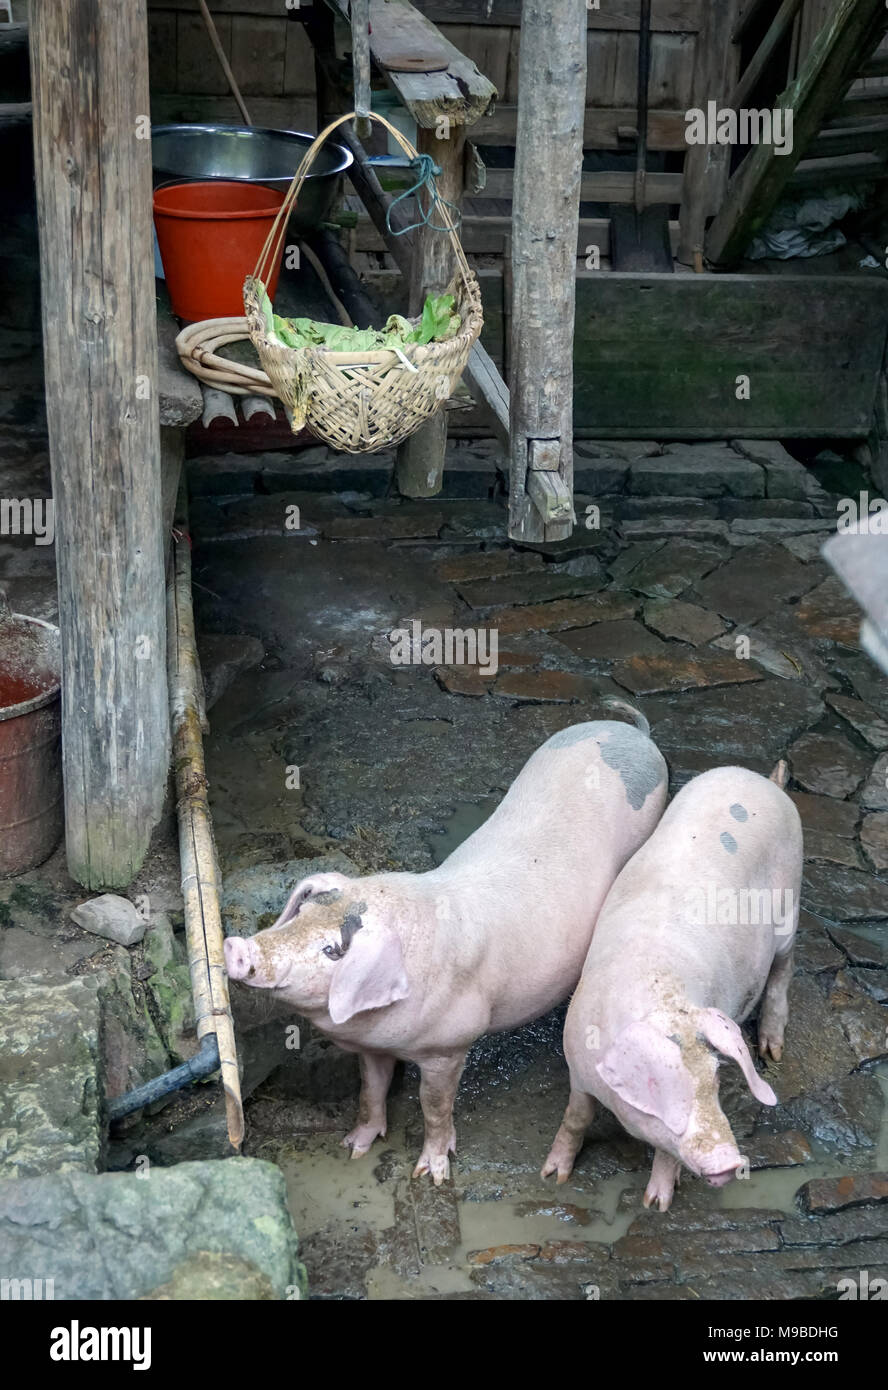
{"type": "Point", "coordinates": [210, 235]}
{"type": "Point", "coordinates": [30, 742]}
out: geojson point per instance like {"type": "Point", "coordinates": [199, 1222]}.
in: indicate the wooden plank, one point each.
{"type": "Point", "coordinates": [820, 173]}
{"type": "Point", "coordinates": [812, 348]}
{"type": "Point", "coordinates": [605, 187]}
{"type": "Point", "coordinates": [873, 135]}
{"type": "Point", "coordinates": [850, 36]}
{"type": "Point", "coordinates": [666, 128]}
{"type": "Point", "coordinates": [667, 16]}
{"type": "Point", "coordinates": [548, 163]}
{"type": "Point", "coordinates": [258, 48]}
{"type": "Point", "coordinates": [13, 39]}
{"type": "Point", "coordinates": [484, 234]}
{"type": "Point", "coordinates": [89, 73]}
{"type": "Point", "coordinates": [298, 63]}
{"type": "Point", "coordinates": [15, 114]}
{"type": "Point", "coordinates": [197, 68]}
{"type": "Point", "coordinates": [859, 106]}
{"type": "Point", "coordinates": [460, 93]}
{"type": "Point", "coordinates": [282, 113]}
{"type": "Point", "coordinates": [162, 50]}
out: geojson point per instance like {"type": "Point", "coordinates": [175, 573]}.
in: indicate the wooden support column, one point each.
{"type": "Point", "coordinates": [706, 166]}
{"type": "Point", "coordinates": [420, 459]}
{"type": "Point", "coordinates": [545, 220]}
{"type": "Point", "coordinates": [89, 72]}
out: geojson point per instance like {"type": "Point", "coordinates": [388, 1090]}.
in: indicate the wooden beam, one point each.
{"type": "Point", "coordinates": [481, 373]}
{"type": "Point", "coordinates": [601, 126]}
{"type": "Point", "coordinates": [849, 36]}
{"type": "Point", "coordinates": [607, 186]}
{"type": "Point", "coordinates": [419, 466]}
{"type": "Point", "coordinates": [706, 166]}
{"type": "Point", "coordinates": [755, 70]}
{"type": "Point", "coordinates": [89, 73]}
{"type": "Point", "coordinates": [485, 234]}
{"type": "Point", "coordinates": [545, 214]}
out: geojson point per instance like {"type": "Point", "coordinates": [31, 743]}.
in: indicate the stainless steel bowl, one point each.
{"type": "Point", "coordinates": [256, 155]}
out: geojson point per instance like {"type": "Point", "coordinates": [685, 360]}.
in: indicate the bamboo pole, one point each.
{"type": "Point", "coordinates": [197, 852]}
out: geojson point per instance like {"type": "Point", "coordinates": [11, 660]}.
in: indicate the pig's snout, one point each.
{"type": "Point", "coordinates": [239, 958]}
{"type": "Point", "coordinates": [720, 1165]}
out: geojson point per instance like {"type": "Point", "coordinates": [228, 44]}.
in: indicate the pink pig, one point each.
{"type": "Point", "coordinates": [697, 925]}
{"type": "Point", "coordinates": [418, 966]}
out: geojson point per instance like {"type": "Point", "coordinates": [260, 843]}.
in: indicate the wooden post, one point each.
{"type": "Point", "coordinates": [420, 459]}
{"type": "Point", "coordinates": [89, 72]}
{"type": "Point", "coordinates": [545, 222]}
{"type": "Point", "coordinates": [706, 166]}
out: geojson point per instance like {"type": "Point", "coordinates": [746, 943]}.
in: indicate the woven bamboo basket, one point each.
{"type": "Point", "coordinates": [362, 401]}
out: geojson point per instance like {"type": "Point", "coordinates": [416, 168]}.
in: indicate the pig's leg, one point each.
{"type": "Point", "coordinates": [775, 1008]}
{"type": "Point", "coordinates": [569, 1139]}
{"type": "Point", "coordinates": [664, 1176]}
{"type": "Point", "coordinates": [437, 1092]}
{"type": "Point", "coordinates": [376, 1077]}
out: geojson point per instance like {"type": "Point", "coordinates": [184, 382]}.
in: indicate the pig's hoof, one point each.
{"type": "Point", "coordinates": [771, 1046]}
{"type": "Point", "coordinates": [658, 1196]}
{"type": "Point", "coordinates": [436, 1165]}
{"type": "Point", "coordinates": [361, 1139]}
{"type": "Point", "coordinates": [560, 1162]}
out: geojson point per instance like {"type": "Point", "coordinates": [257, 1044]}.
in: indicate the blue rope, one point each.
{"type": "Point", "coordinates": [428, 171]}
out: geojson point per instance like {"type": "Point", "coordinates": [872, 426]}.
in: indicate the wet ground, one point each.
{"type": "Point", "coordinates": [327, 752]}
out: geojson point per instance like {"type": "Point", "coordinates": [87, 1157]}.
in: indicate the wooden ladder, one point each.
{"type": "Point", "coordinates": [836, 135]}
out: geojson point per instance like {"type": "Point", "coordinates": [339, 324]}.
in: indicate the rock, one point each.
{"type": "Point", "coordinates": [874, 839]}
{"type": "Point", "coordinates": [838, 1194]}
{"type": "Point", "coordinates": [830, 611]}
{"type": "Point", "coordinates": [253, 898]}
{"type": "Point", "coordinates": [611, 641]}
{"type": "Point", "coordinates": [860, 950]}
{"type": "Point", "coordinates": [566, 613]}
{"type": "Point", "coordinates": [764, 654]}
{"type": "Point", "coordinates": [827, 764]}
{"type": "Point", "coordinates": [844, 1115]}
{"type": "Point", "coordinates": [530, 588]}
{"type": "Point", "coordinates": [823, 813]}
{"type": "Point", "coordinates": [211, 1277]}
{"type": "Point", "coordinates": [223, 658]}
{"type": "Point", "coordinates": [698, 470]}
{"type": "Point", "coordinates": [831, 849]}
{"type": "Point", "coordinates": [873, 982]}
{"type": "Point", "coordinates": [784, 475]}
{"type": "Point", "coordinates": [784, 1150]}
{"type": "Point", "coordinates": [813, 949]}
{"type": "Point", "coordinates": [683, 621]}
{"type": "Point", "coordinates": [646, 675]}
{"type": "Point", "coordinates": [863, 718]}
{"type": "Point", "coordinates": [862, 1019]}
{"type": "Point", "coordinates": [488, 564]}
{"type": "Point", "coordinates": [599, 477]}
{"type": "Point", "coordinates": [50, 1065]}
{"type": "Point", "coordinates": [875, 794]}
{"type": "Point", "coordinates": [754, 722]}
{"type": "Point", "coordinates": [618, 448]}
{"type": "Point", "coordinates": [817, 1052]}
{"type": "Point", "coordinates": [169, 986]}
{"type": "Point", "coordinates": [463, 680]}
{"type": "Point", "coordinates": [384, 528]}
{"type": "Point", "coordinates": [673, 568]}
{"type": "Point", "coordinates": [153, 1234]}
{"type": "Point", "coordinates": [781, 526]}
{"type": "Point", "coordinates": [112, 917]}
{"type": "Point", "coordinates": [690, 518]}
{"type": "Point", "coordinates": [749, 586]}
{"type": "Point", "coordinates": [559, 686]}
{"type": "Point", "coordinates": [844, 894]}
{"type": "Point", "coordinates": [805, 548]}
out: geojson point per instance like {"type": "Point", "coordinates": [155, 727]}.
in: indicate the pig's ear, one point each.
{"type": "Point", "coordinates": [724, 1035]}
{"type": "Point", "coordinates": [645, 1068]}
{"type": "Point", "coordinates": [370, 975]}
{"type": "Point", "coordinates": [315, 883]}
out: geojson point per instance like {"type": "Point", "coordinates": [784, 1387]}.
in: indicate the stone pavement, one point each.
{"type": "Point", "coordinates": [694, 586]}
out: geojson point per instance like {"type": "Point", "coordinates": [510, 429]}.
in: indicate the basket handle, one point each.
{"type": "Point", "coordinates": [273, 241]}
